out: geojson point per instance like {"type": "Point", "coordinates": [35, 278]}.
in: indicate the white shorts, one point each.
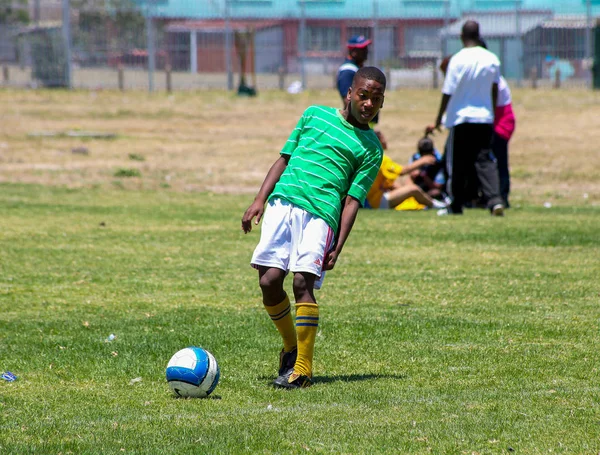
{"type": "Point", "coordinates": [293, 240]}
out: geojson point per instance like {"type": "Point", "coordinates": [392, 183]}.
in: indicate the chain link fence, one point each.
{"type": "Point", "coordinates": [247, 45]}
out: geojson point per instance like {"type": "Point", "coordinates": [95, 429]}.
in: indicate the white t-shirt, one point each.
{"type": "Point", "coordinates": [469, 79]}
{"type": "Point", "coordinates": [504, 97]}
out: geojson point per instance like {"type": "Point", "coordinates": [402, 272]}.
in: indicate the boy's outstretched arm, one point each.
{"type": "Point", "coordinates": [349, 212]}
{"type": "Point", "coordinates": [257, 207]}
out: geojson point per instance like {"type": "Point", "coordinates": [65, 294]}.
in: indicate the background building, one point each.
{"type": "Point", "coordinates": [306, 38]}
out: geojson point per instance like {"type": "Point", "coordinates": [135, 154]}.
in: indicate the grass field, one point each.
{"type": "Point", "coordinates": [469, 335]}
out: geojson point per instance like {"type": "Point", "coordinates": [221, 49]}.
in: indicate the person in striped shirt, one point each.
{"type": "Point", "coordinates": [313, 192]}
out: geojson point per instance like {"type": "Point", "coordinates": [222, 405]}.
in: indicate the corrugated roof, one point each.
{"type": "Point", "coordinates": [566, 22]}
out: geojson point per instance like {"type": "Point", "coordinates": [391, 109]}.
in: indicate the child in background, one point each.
{"type": "Point", "coordinates": [504, 127]}
{"type": "Point", "coordinates": [430, 178]}
{"type": "Point", "coordinates": [388, 192]}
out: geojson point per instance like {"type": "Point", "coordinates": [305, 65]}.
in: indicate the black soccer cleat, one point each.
{"type": "Point", "coordinates": [287, 361]}
{"type": "Point", "coordinates": [293, 381]}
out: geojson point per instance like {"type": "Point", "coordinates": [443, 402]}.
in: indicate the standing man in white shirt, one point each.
{"type": "Point", "coordinates": [469, 97]}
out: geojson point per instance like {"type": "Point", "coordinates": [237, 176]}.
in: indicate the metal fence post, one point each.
{"type": "Point", "coordinates": [375, 33]}
{"type": "Point", "coordinates": [302, 43]}
{"type": "Point", "coordinates": [150, 49]}
{"type": "Point", "coordinates": [596, 59]}
{"type": "Point", "coordinates": [443, 38]}
{"type": "Point", "coordinates": [519, 40]}
{"type": "Point", "coordinates": [66, 32]}
{"type": "Point", "coordinates": [169, 80]}
{"type": "Point", "coordinates": [121, 77]}
{"type": "Point", "coordinates": [281, 77]}
{"type": "Point", "coordinates": [534, 76]}
{"type": "Point", "coordinates": [589, 54]}
{"type": "Point", "coordinates": [193, 52]}
{"type": "Point", "coordinates": [36, 12]}
{"type": "Point", "coordinates": [228, 65]}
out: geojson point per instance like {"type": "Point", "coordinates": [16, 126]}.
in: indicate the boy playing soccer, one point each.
{"type": "Point", "coordinates": [313, 191]}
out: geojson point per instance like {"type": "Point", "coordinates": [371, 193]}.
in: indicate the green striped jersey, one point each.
{"type": "Point", "coordinates": [329, 159]}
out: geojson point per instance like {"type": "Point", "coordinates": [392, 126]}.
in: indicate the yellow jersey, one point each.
{"type": "Point", "coordinates": [388, 172]}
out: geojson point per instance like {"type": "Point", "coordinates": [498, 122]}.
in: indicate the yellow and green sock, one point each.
{"type": "Point", "coordinates": [307, 324]}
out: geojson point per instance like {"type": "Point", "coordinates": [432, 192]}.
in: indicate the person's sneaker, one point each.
{"type": "Point", "coordinates": [293, 381]}
{"type": "Point", "coordinates": [438, 204]}
{"type": "Point", "coordinates": [498, 210]}
{"type": "Point", "coordinates": [448, 211]}
{"type": "Point", "coordinates": [287, 360]}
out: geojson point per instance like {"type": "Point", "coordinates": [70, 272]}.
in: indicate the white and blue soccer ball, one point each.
{"type": "Point", "coordinates": [193, 372]}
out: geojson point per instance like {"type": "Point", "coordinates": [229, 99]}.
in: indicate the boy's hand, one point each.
{"type": "Point", "coordinates": [414, 175]}
{"type": "Point", "coordinates": [330, 260]}
{"type": "Point", "coordinates": [430, 129]}
{"type": "Point", "coordinates": [256, 209]}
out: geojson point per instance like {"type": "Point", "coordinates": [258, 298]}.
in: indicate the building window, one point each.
{"type": "Point", "coordinates": [422, 40]}
{"type": "Point", "coordinates": [323, 39]}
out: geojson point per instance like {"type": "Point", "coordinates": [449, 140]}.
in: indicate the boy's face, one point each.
{"type": "Point", "coordinates": [366, 98]}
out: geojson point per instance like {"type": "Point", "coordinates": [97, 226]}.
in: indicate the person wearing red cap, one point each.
{"type": "Point", "coordinates": [358, 52]}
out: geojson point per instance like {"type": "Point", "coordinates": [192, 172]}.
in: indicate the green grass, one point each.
{"type": "Point", "coordinates": [438, 335]}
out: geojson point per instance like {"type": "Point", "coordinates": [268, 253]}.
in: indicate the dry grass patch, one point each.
{"type": "Point", "coordinates": [215, 141]}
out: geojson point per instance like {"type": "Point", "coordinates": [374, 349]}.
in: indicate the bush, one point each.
{"type": "Point", "coordinates": [127, 173]}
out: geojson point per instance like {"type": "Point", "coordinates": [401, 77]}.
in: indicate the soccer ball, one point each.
{"type": "Point", "coordinates": [193, 372]}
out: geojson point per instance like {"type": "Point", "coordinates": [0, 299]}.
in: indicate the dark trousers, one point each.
{"type": "Point", "coordinates": [500, 149]}
{"type": "Point", "coordinates": [469, 147]}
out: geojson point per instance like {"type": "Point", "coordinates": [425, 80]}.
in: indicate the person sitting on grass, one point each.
{"type": "Point", "coordinates": [388, 192]}
{"type": "Point", "coordinates": [313, 192]}
{"type": "Point", "coordinates": [430, 178]}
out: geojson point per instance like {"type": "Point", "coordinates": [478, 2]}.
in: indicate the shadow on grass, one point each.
{"type": "Point", "coordinates": [355, 377]}
{"type": "Point", "coordinates": [346, 378]}
{"type": "Point", "coordinates": [210, 397]}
